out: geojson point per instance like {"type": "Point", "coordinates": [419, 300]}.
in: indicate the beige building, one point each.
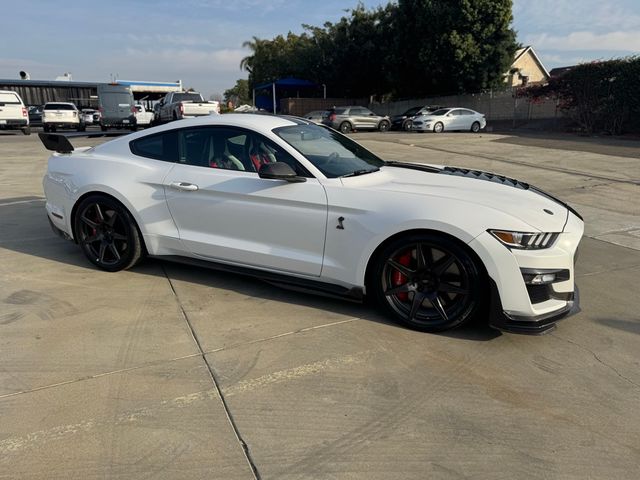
{"type": "Point", "coordinates": [526, 68]}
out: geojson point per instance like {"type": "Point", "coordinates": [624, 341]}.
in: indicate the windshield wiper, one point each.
{"type": "Point", "coordinates": [360, 172]}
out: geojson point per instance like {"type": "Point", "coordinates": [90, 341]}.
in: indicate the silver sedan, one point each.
{"type": "Point", "coordinates": [450, 119]}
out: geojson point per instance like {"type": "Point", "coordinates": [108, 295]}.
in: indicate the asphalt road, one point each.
{"type": "Point", "coordinates": [175, 372]}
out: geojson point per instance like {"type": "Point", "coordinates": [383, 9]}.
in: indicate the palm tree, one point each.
{"type": "Point", "coordinates": [247, 62]}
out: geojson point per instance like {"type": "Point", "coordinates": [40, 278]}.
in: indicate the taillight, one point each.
{"type": "Point", "coordinates": [24, 112]}
{"type": "Point", "coordinates": [181, 109]}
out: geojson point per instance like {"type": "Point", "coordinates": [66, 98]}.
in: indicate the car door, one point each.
{"type": "Point", "coordinates": [224, 211]}
{"type": "Point", "coordinates": [453, 120]}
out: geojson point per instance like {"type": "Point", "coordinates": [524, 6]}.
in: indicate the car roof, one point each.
{"type": "Point", "coordinates": [260, 123]}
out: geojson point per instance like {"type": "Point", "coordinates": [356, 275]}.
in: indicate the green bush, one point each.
{"type": "Point", "coordinates": [600, 96]}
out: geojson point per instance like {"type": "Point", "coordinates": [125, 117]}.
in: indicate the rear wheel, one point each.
{"type": "Point", "coordinates": [407, 125]}
{"type": "Point", "coordinates": [107, 233]}
{"type": "Point", "coordinates": [475, 128]}
{"type": "Point", "coordinates": [345, 127]}
{"type": "Point", "coordinates": [26, 130]}
{"type": "Point", "coordinates": [383, 126]}
{"type": "Point", "coordinates": [427, 282]}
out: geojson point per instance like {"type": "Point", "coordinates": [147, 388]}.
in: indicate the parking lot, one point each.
{"type": "Point", "coordinates": [171, 371]}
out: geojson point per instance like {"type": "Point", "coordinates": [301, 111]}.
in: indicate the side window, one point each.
{"type": "Point", "coordinates": [212, 147]}
{"type": "Point", "coordinates": [162, 146]}
{"type": "Point", "coordinates": [263, 151]}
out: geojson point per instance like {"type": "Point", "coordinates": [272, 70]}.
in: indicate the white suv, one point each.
{"type": "Point", "coordinates": [13, 113]}
{"type": "Point", "coordinates": [62, 115]}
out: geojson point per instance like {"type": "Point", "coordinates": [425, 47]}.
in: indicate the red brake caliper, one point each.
{"type": "Point", "coordinates": [398, 278]}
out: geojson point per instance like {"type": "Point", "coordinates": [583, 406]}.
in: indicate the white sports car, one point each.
{"type": "Point", "coordinates": [303, 206]}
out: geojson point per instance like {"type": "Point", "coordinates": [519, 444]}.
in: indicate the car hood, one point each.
{"type": "Point", "coordinates": [517, 199]}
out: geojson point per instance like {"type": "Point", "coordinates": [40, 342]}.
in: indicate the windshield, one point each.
{"type": "Point", "coordinates": [329, 151]}
{"type": "Point", "coordinates": [187, 97]}
{"type": "Point", "coordinates": [439, 113]}
{"type": "Point", "coordinates": [411, 111]}
{"type": "Point", "coordinates": [59, 106]}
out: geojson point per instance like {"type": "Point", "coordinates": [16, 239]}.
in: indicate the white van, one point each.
{"type": "Point", "coordinates": [13, 113]}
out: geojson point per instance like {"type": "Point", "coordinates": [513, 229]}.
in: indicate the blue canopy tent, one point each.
{"type": "Point", "coordinates": [285, 87]}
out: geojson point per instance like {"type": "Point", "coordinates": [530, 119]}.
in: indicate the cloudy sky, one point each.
{"type": "Point", "coordinates": [200, 41]}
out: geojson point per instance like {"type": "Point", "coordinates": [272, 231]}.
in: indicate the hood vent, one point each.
{"type": "Point", "coordinates": [489, 177]}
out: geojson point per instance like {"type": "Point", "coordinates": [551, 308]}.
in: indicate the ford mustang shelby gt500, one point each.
{"type": "Point", "coordinates": [303, 206]}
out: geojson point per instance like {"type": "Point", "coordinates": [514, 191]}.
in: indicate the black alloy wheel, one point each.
{"type": "Point", "coordinates": [384, 126]}
{"type": "Point", "coordinates": [428, 282]}
{"type": "Point", "coordinates": [107, 233]}
{"type": "Point", "coordinates": [407, 125]}
{"type": "Point", "coordinates": [345, 127]}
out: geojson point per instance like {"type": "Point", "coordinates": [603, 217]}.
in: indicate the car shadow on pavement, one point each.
{"type": "Point", "coordinates": [624, 325]}
{"type": "Point", "coordinates": [24, 229]}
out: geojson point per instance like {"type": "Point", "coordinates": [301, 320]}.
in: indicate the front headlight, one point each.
{"type": "Point", "coordinates": [524, 240]}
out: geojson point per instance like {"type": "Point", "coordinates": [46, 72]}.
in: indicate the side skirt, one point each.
{"type": "Point", "coordinates": [288, 282]}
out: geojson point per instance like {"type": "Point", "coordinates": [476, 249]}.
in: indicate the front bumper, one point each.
{"type": "Point", "coordinates": [519, 307]}
{"type": "Point", "coordinates": [529, 325]}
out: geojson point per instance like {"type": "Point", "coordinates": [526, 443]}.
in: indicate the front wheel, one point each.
{"type": "Point", "coordinates": [345, 127]}
{"type": "Point", "coordinates": [438, 127]}
{"type": "Point", "coordinates": [107, 233]}
{"type": "Point", "coordinates": [427, 282]}
{"type": "Point", "coordinates": [475, 128]}
{"type": "Point", "coordinates": [384, 126]}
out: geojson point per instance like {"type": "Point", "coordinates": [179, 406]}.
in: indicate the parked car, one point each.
{"type": "Point", "coordinates": [13, 113]}
{"type": "Point", "coordinates": [116, 107]}
{"type": "Point", "coordinates": [143, 116]}
{"type": "Point", "coordinates": [316, 116]}
{"type": "Point", "coordinates": [405, 120]}
{"type": "Point", "coordinates": [35, 115]}
{"type": "Point", "coordinates": [88, 115]}
{"type": "Point", "coordinates": [179, 105]}
{"type": "Point", "coordinates": [302, 205]}
{"type": "Point", "coordinates": [58, 115]}
{"type": "Point", "coordinates": [351, 118]}
{"type": "Point", "coordinates": [449, 119]}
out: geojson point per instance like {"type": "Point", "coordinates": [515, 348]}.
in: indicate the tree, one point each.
{"type": "Point", "coordinates": [239, 93]}
{"type": "Point", "coordinates": [412, 48]}
{"type": "Point", "coordinates": [450, 46]}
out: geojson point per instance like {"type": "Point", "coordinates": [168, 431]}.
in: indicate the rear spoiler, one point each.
{"type": "Point", "coordinates": [59, 142]}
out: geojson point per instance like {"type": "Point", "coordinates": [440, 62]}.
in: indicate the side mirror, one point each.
{"type": "Point", "coordinates": [279, 171]}
{"type": "Point", "coordinates": [372, 114]}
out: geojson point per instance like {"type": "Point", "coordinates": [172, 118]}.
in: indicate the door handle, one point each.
{"type": "Point", "coordinates": [188, 187]}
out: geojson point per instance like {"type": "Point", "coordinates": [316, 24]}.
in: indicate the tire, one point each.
{"type": "Point", "coordinates": [82, 128]}
{"type": "Point", "coordinates": [107, 233]}
{"type": "Point", "coordinates": [407, 126]}
{"type": "Point", "coordinates": [475, 127]}
{"type": "Point", "coordinates": [384, 125]}
{"type": "Point", "coordinates": [175, 116]}
{"type": "Point", "coordinates": [26, 131]}
{"type": "Point", "coordinates": [440, 289]}
{"type": "Point", "coordinates": [45, 127]}
{"type": "Point", "coordinates": [438, 127]}
{"type": "Point", "coordinates": [345, 127]}
{"type": "Point", "coordinates": [103, 128]}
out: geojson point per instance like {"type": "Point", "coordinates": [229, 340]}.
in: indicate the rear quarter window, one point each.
{"type": "Point", "coordinates": [161, 146]}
